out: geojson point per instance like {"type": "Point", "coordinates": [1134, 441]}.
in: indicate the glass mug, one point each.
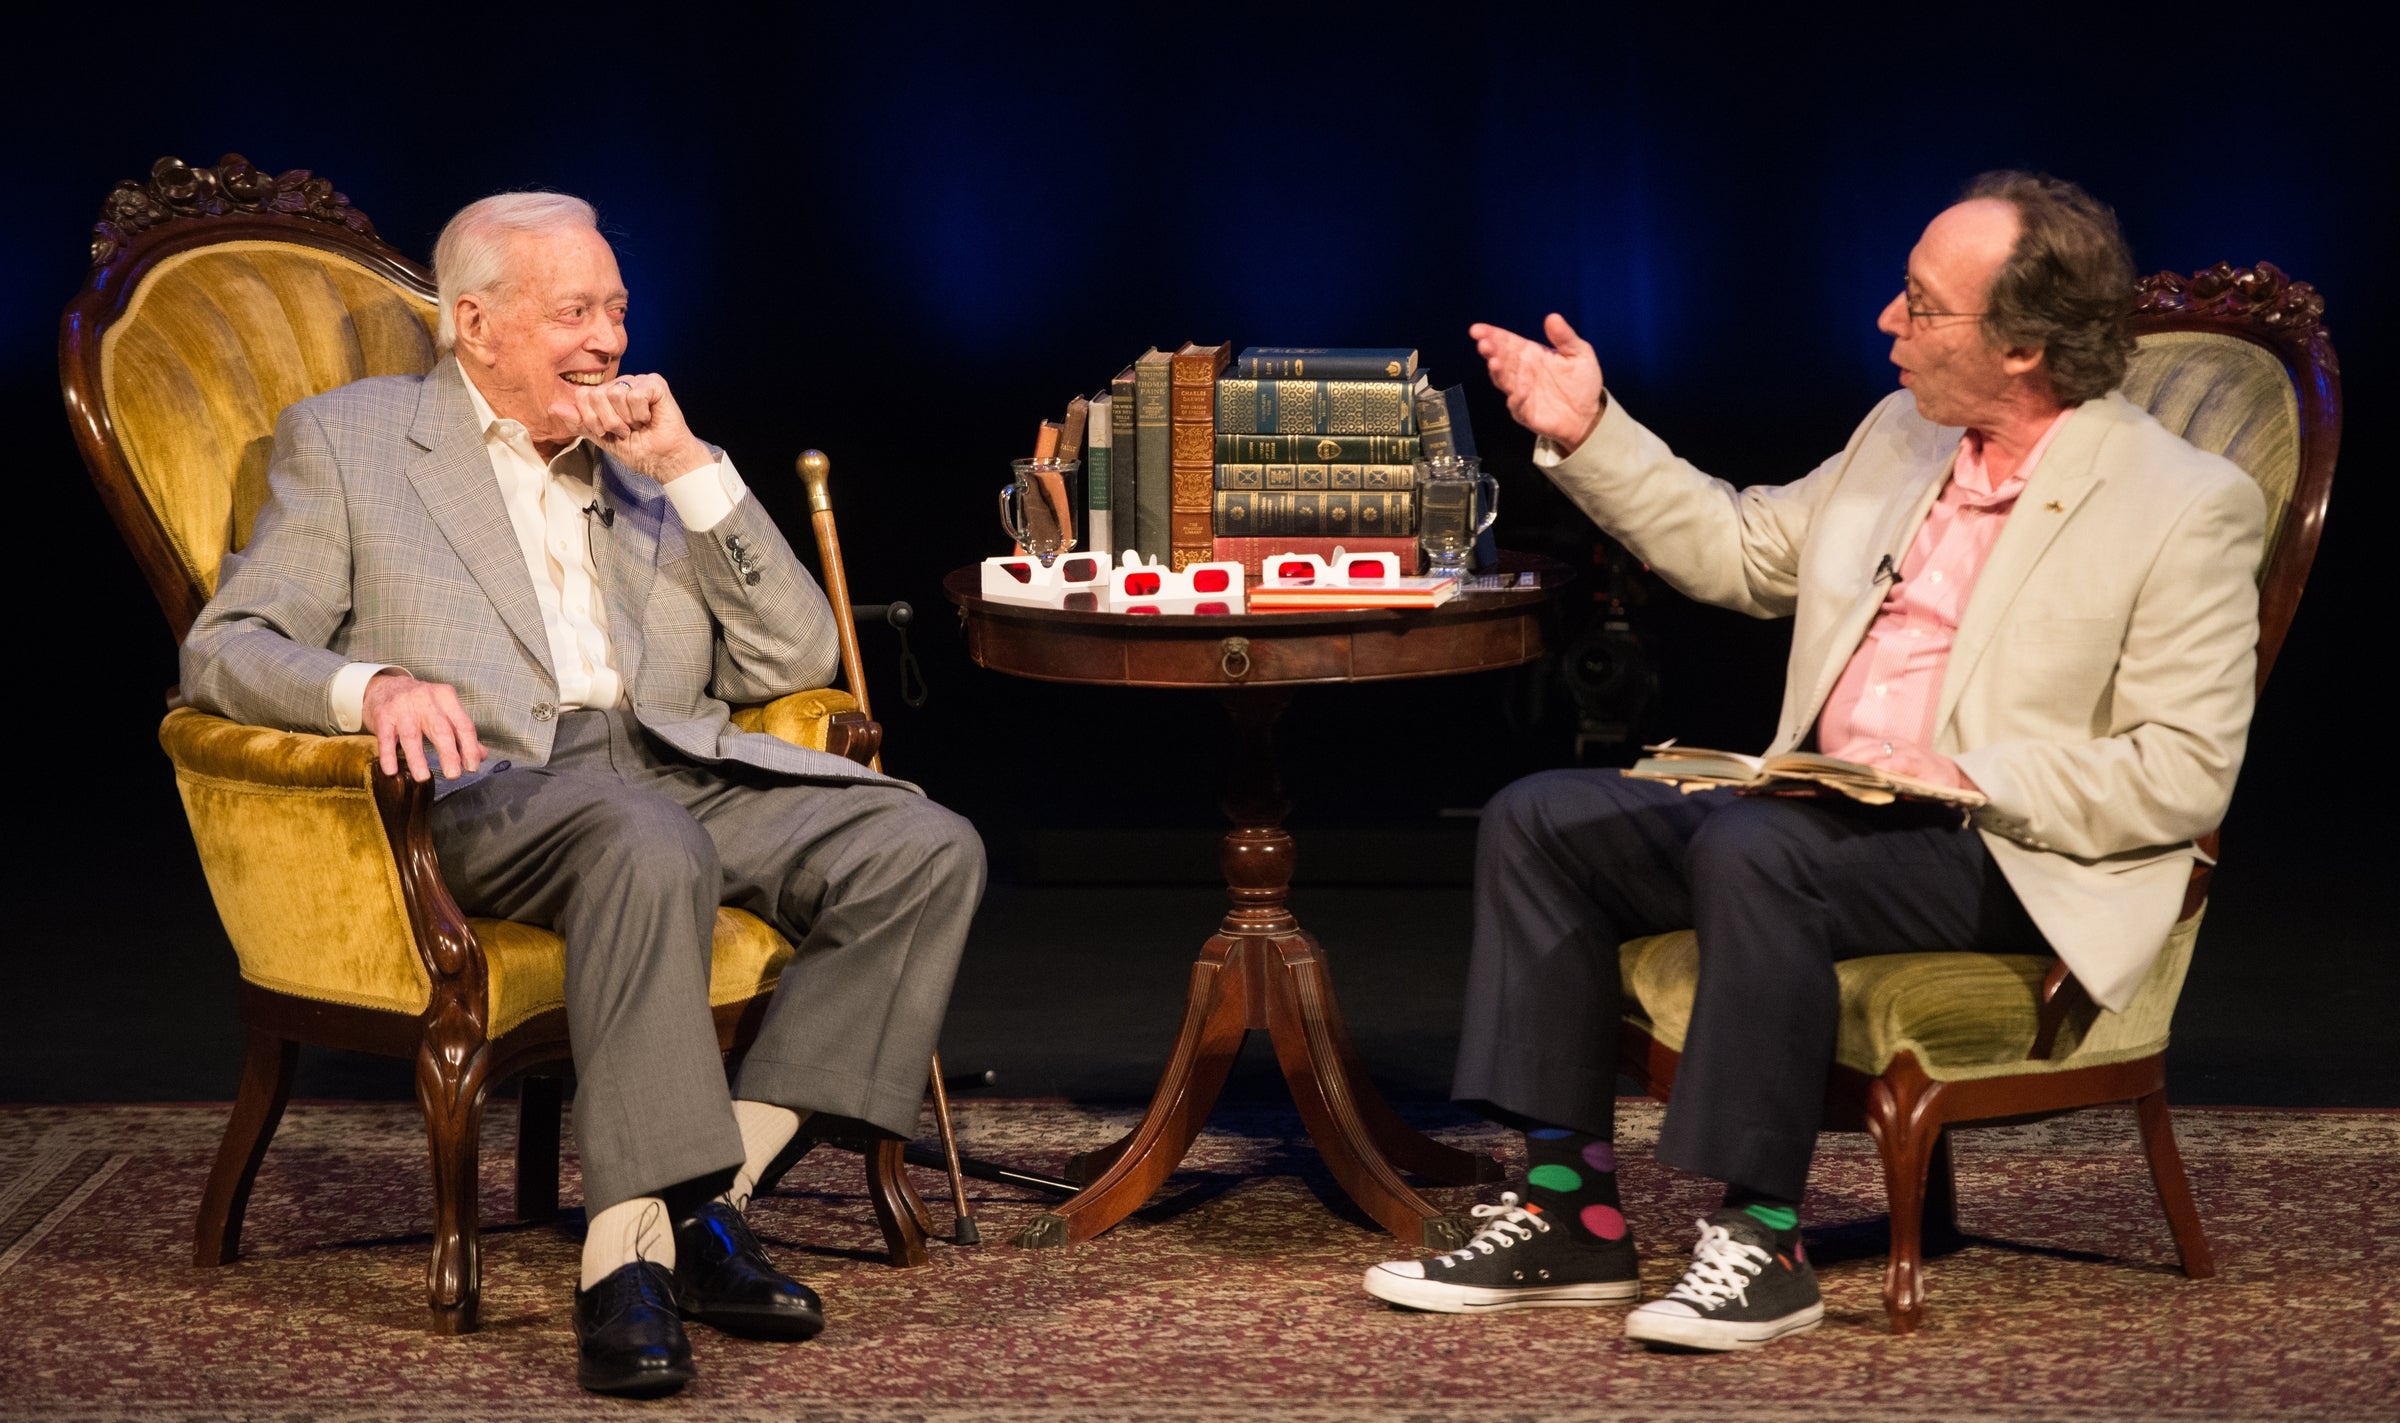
{"type": "Point", "coordinates": [1035, 508]}
{"type": "Point", "coordinates": [1456, 502]}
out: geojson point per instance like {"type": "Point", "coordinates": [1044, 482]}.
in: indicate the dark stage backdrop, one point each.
{"type": "Point", "coordinates": [906, 238]}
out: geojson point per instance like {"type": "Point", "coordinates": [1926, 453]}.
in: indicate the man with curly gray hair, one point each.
{"type": "Point", "coordinates": [2012, 586]}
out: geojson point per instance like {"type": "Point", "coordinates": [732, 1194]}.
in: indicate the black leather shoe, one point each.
{"type": "Point", "coordinates": [722, 1278]}
{"type": "Point", "coordinates": [628, 1341]}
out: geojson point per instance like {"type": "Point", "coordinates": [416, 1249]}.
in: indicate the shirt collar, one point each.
{"type": "Point", "coordinates": [512, 433]}
{"type": "Point", "coordinates": [1975, 477]}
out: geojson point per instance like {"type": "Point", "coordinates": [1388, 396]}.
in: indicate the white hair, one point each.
{"type": "Point", "coordinates": [471, 255]}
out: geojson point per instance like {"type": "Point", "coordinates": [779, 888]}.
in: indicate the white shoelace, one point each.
{"type": "Point", "coordinates": [1504, 1225]}
{"type": "Point", "coordinates": [1722, 1269]}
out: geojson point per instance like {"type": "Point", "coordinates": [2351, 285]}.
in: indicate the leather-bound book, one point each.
{"type": "Point", "coordinates": [1244, 513]}
{"type": "Point", "coordinates": [1151, 377]}
{"type": "Point", "coordinates": [1124, 466]}
{"type": "Point", "coordinates": [1315, 407]}
{"type": "Point", "coordinates": [1192, 451]}
{"type": "Point", "coordinates": [1327, 363]}
{"type": "Point", "coordinates": [1316, 476]}
{"type": "Point", "coordinates": [1316, 449]}
{"type": "Point", "coordinates": [1251, 553]}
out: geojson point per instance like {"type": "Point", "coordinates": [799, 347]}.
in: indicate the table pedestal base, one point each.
{"type": "Point", "coordinates": [1261, 970]}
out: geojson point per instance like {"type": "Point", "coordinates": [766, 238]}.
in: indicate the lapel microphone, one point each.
{"type": "Point", "coordinates": [608, 516]}
{"type": "Point", "coordinates": [1883, 570]}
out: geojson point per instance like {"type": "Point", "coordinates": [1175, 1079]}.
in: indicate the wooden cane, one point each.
{"type": "Point", "coordinates": [815, 469]}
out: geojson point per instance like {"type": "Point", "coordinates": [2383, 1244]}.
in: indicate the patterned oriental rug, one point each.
{"type": "Point", "coordinates": [1232, 1299]}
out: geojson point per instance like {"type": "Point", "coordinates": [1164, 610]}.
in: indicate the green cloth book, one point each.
{"type": "Point", "coordinates": [1151, 393]}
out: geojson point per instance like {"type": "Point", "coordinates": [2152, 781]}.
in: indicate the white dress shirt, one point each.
{"type": "Point", "coordinates": [546, 504]}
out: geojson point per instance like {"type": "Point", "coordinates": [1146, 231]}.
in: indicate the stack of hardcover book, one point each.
{"type": "Point", "coordinates": [1316, 449]}
{"type": "Point", "coordinates": [1196, 456]}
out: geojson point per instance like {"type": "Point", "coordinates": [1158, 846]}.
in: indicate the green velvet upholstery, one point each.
{"type": "Point", "coordinates": [2230, 397]}
{"type": "Point", "coordinates": [1962, 1015]}
{"type": "Point", "coordinates": [305, 880]}
{"type": "Point", "coordinates": [214, 343]}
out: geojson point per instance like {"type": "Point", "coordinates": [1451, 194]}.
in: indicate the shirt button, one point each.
{"type": "Point", "coordinates": [543, 711]}
{"type": "Point", "coordinates": [1936, 575]}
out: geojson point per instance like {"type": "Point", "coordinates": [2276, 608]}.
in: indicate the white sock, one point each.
{"type": "Point", "coordinates": [766, 1130]}
{"type": "Point", "coordinates": [627, 1231]}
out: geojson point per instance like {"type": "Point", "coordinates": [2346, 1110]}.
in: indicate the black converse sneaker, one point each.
{"type": "Point", "coordinates": [1739, 1293]}
{"type": "Point", "coordinates": [1519, 1258]}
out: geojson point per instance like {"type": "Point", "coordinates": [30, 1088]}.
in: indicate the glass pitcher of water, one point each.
{"type": "Point", "coordinates": [1456, 502]}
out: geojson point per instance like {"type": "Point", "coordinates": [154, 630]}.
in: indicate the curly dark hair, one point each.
{"type": "Point", "coordinates": [2067, 287]}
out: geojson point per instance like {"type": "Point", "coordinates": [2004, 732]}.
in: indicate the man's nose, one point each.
{"type": "Point", "coordinates": [1893, 321]}
{"type": "Point", "coordinates": [607, 338]}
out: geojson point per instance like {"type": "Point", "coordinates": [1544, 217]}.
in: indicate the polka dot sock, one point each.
{"type": "Point", "coordinates": [1779, 1216]}
{"type": "Point", "coordinates": [1572, 1176]}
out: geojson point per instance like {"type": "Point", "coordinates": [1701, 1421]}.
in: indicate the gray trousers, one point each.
{"type": "Point", "coordinates": [625, 848]}
{"type": "Point", "coordinates": [1571, 863]}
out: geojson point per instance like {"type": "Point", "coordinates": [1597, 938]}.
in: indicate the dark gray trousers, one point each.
{"type": "Point", "coordinates": [1569, 864]}
{"type": "Point", "coordinates": [625, 847]}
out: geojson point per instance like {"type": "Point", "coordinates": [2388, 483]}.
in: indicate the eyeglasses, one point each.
{"type": "Point", "coordinates": [1919, 313]}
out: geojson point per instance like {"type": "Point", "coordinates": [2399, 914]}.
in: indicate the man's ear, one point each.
{"type": "Point", "coordinates": [472, 321]}
{"type": "Point", "coordinates": [2016, 360]}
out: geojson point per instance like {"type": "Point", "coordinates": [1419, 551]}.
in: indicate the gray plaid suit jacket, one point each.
{"type": "Point", "coordinates": [384, 539]}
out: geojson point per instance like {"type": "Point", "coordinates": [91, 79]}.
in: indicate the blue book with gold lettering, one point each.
{"type": "Point", "coordinates": [1327, 363]}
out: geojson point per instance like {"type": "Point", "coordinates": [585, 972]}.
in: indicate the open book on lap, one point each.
{"type": "Point", "coordinates": [1693, 768]}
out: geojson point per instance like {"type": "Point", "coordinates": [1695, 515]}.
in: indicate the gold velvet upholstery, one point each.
{"type": "Point", "coordinates": [213, 345]}
{"type": "Point", "coordinates": [304, 877]}
{"type": "Point", "coordinates": [803, 718]}
{"type": "Point", "coordinates": [528, 966]}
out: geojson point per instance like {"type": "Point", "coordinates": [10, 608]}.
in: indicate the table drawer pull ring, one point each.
{"type": "Point", "coordinates": [1236, 660]}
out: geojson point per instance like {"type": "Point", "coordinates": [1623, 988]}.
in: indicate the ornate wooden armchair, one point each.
{"type": "Point", "coordinates": [218, 296]}
{"type": "Point", "coordinates": [2237, 362]}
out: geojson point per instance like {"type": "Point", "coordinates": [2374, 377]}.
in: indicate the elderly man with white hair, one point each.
{"type": "Point", "coordinates": [525, 575]}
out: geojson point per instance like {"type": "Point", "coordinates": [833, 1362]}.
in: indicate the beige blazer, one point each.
{"type": "Point", "coordinates": [2100, 687]}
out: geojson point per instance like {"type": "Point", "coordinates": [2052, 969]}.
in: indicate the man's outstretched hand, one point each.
{"type": "Point", "coordinates": [1552, 390]}
{"type": "Point", "coordinates": [405, 713]}
{"type": "Point", "coordinates": [636, 419]}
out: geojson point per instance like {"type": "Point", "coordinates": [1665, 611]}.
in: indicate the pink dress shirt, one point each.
{"type": "Point", "coordinates": [1881, 711]}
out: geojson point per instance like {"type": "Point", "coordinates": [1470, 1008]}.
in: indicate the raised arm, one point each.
{"type": "Point", "coordinates": [775, 629]}
{"type": "Point", "coordinates": [1738, 549]}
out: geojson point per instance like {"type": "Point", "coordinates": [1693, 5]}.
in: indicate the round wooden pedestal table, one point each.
{"type": "Point", "coordinates": [1261, 970]}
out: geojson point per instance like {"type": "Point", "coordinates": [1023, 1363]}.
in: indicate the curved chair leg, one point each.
{"type": "Point", "coordinates": [898, 1210]}
{"type": "Point", "coordinates": [452, 1097]}
{"type": "Point", "coordinates": [1906, 1132]}
{"type": "Point", "coordinates": [268, 1063]}
{"type": "Point", "coordinates": [540, 1099]}
{"type": "Point", "coordinates": [2174, 1188]}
